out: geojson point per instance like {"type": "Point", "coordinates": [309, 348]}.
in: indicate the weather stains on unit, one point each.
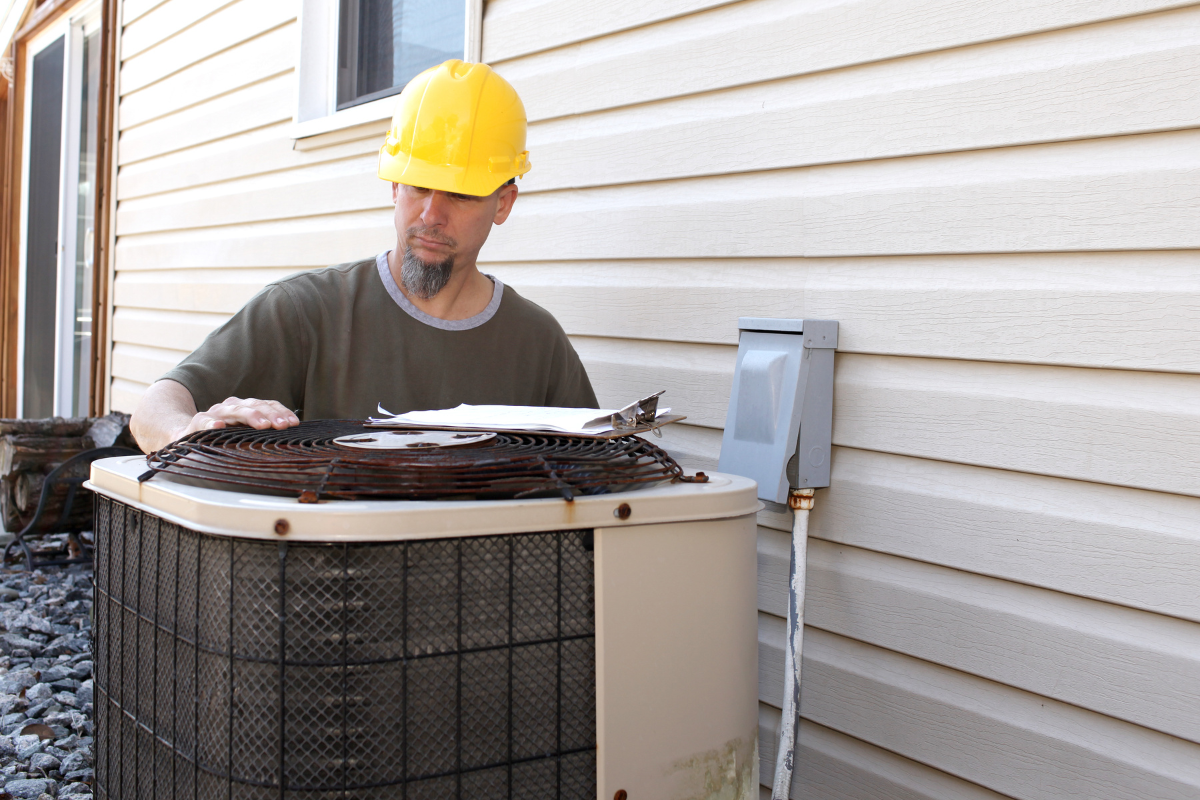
{"type": "Point", "coordinates": [730, 773]}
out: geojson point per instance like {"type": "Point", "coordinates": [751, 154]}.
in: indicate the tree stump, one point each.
{"type": "Point", "coordinates": [31, 448]}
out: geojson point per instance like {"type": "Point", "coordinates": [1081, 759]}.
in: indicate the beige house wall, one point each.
{"type": "Point", "coordinates": [999, 202]}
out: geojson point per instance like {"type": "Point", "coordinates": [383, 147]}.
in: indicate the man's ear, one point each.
{"type": "Point", "coordinates": [506, 197]}
{"type": "Point", "coordinates": [395, 193]}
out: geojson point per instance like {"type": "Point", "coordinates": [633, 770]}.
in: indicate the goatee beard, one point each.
{"type": "Point", "coordinates": [424, 279]}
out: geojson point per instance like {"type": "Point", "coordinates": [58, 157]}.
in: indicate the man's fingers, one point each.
{"type": "Point", "coordinates": [260, 414]}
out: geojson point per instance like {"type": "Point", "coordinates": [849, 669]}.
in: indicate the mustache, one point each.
{"type": "Point", "coordinates": [429, 233]}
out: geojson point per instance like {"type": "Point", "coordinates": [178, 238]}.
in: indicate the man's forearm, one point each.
{"type": "Point", "coordinates": [162, 415]}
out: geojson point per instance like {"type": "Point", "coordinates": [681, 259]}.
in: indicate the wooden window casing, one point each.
{"type": "Point", "coordinates": [12, 112]}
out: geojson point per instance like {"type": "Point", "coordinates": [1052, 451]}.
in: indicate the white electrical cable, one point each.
{"type": "Point", "coordinates": [785, 757]}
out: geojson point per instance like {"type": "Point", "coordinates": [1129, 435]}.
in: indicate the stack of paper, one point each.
{"type": "Point", "coordinates": [509, 418]}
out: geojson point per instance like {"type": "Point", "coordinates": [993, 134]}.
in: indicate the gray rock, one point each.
{"type": "Point", "coordinates": [82, 671]}
{"type": "Point", "coordinates": [15, 644]}
{"type": "Point", "coordinates": [27, 746]}
{"type": "Point", "coordinates": [65, 698]}
{"type": "Point", "coordinates": [79, 791]}
{"type": "Point", "coordinates": [8, 594]}
{"type": "Point", "coordinates": [18, 679]}
{"type": "Point", "coordinates": [8, 702]}
{"type": "Point", "coordinates": [56, 673]}
{"type": "Point", "coordinates": [38, 693]}
{"type": "Point", "coordinates": [32, 622]}
{"type": "Point", "coordinates": [28, 789]}
{"type": "Point", "coordinates": [36, 710]}
{"type": "Point", "coordinates": [43, 762]}
{"type": "Point", "coordinates": [74, 762]}
{"type": "Point", "coordinates": [85, 693]}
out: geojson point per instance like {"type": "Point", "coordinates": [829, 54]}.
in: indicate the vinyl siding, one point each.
{"type": "Point", "coordinates": [998, 202]}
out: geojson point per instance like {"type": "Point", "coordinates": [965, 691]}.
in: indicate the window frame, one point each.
{"type": "Point", "coordinates": [86, 14]}
{"type": "Point", "coordinates": [316, 101]}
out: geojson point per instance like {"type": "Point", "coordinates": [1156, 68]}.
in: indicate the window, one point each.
{"type": "Point", "coordinates": [62, 88]}
{"type": "Point", "coordinates": [355, 55]}
{"type": "Point", "coordinates": [383, 44]}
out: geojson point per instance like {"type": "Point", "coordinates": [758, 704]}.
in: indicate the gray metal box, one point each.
{"type": "Point", "coordinates": [779, 427]}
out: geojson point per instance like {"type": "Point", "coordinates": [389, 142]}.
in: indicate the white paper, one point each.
{"type": "Point", "coordinates": [519, 418]}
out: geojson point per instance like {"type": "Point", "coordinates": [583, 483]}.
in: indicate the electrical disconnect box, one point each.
{"type": "Point", "coordinates": [779, 427]}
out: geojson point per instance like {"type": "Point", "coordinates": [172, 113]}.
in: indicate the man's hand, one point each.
{"type": "Point", "coordinates": [258, 414]}
{"type": "Point", "coordinates": [167, 412]}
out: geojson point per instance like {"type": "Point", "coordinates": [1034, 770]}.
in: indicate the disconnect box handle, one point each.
{"type": "Point", "coordinates": [779, 427]}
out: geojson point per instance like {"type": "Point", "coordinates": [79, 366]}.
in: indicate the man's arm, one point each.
{"type": "Point", "coordinates": [167, 412]}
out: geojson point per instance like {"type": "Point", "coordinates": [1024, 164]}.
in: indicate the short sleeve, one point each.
{"type": "Point", "coordinates": [569, 383]}
{"type": "Point", "coordinates": [262, 352]}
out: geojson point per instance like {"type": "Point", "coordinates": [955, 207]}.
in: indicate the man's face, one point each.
{"type": "Point", "coordinates": [440, 233]}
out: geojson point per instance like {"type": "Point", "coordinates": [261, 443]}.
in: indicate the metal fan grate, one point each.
{"type": "Point", "coordinates": [306, 461]}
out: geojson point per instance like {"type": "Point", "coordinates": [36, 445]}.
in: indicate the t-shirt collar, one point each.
{"type": "Point", "coordinates": [389, 283]}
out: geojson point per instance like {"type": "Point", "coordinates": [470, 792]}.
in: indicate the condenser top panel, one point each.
{"type": "Point", "coordinates": [258, 516]}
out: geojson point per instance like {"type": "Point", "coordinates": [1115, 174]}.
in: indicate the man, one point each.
{"type": "Point", "coordinates": [417, 327]}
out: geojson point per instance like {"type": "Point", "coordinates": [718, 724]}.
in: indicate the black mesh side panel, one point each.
{"type": "Point", "coordinates": [446, 668]}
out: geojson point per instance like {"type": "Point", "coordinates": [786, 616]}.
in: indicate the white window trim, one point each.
{"type": "Point", "coordinates": [80, 25]}
{"type": "Point", "coordinates": [60, 27]}
{"type": "Point", "coordinates": [316, 113]}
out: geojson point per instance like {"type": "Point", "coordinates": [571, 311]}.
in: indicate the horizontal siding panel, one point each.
{"type": "Point", "coordinates": [255, 106]}
{"type": "Point", "coordinates": [1124, 428]}
{"type": "Point", "coordinates": [1134, 548]}
{"type": "Point", "coordinates": [132, 10]}
{"type": "Point", "coordinates": [1133, 665]}
{"type": "Point", "coordinates": [242, 155]}
{"type": "Point", "coordinates": [298, 243]}
{"type": "Point", "coordinates": [123, 395]}
{"type": "Point", "coordinates": [163, 22]}
{"type": "Point", "coordinates": [1126, 77]}
{"type": "Point", "coordinates": [1054, 308]}
{"type": "Point", "coordinates": [173, 330]}
{"type": "Point", "coordinates": [832, 766]}
{"type": "Point", "coordinates": [517, 27]}
{"type": "Point", "coordinates": [695, 448]}
{"type": "Point", "coordinates": [142, 364]}
{"type": "Point", "coordinates": [1134, 429]}
{"type": "Point", "coordinates": [762, 40]}
{"type": "Point", "coordinates": [1135, 192]}
{"type": "Point", "coordinates": [697, 378]}
{"type": "Point", "coordinates": [232, 25]}
{"type": "Point", "coordinates": [222, 291]}
{"type": "Point", "coordinates": [1013, 742]}
{"type": "Point", "coordinates": [267, 56]}
{"type": "Point", "coordinates": [325, 188]}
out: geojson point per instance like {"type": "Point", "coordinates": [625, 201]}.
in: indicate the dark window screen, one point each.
{"type": "Point", "coordinates": [383, 44]}
{"type": "Point", "coordinates": [41, 254]}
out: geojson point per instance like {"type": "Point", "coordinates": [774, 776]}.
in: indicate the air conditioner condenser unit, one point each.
{"type": "Point", "coordinates": [251, 645]}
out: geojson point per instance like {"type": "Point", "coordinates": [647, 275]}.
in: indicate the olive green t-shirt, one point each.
{"type": "Point", "coordinates": [336, 342]}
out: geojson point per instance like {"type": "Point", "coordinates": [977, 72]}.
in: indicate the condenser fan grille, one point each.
{"type": "Point", "coordinates": [306, 461]}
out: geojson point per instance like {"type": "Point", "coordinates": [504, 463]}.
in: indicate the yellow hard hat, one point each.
{"type": "Point", "coordinates": [459, 128]}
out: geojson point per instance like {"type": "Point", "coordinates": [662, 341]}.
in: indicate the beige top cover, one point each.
{"type": "Point", "coordinates": [255, 516]}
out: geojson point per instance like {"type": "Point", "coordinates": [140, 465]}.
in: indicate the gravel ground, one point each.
{"type": "Point", "coordinates": [46, 726]}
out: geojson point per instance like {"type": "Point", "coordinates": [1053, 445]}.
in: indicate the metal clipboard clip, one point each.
{"type": "Point", "coordinates": [637, 413]}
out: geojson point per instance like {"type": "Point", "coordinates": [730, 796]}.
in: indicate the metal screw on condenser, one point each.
{"type": "Point", "coordinates": [282, 526]}
{"type": "Point", "coordinates": [622, 511]}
